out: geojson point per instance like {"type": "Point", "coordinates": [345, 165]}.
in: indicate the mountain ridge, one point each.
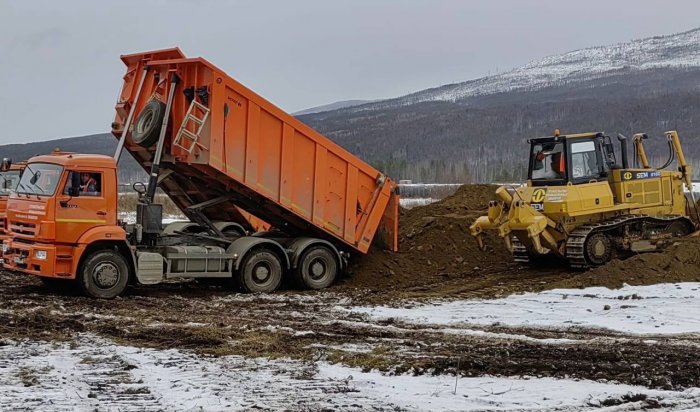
{"type": "Point", "coordinates": [571, 66]}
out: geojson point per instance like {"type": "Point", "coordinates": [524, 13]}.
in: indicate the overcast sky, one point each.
{"type": "Point", "coordinates": [60, 70]}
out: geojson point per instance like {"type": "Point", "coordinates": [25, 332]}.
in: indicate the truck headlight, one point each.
{"type": "Point", "coordinates": [40, 254]}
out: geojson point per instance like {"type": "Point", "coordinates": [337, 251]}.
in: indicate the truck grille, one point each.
{"type": "Point", "coordinates": [22, 228]}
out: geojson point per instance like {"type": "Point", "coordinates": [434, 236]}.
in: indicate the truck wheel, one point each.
{"type": "Point", "coordinates": [104, 274]}
{"type": "Point", "coordinates": [317, 268]}
{"type": "Point", "coordinates": [260, 272]}
{"type": "Point", "coordinates": [598, 249]}
{"type": "Point", "coordinates": [147, 128]}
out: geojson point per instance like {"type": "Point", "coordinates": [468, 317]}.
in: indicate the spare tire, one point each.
{"type": "Point", "coordinates": [147, 128]}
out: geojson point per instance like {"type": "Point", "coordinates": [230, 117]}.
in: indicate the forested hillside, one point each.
{"type": "Point", "coordinates": [483, 138]}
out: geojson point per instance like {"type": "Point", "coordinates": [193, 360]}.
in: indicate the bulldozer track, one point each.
{"type": "Point", "coordinates": [575, 244]}
{"type": "Point", "coordinates": [520, 254]}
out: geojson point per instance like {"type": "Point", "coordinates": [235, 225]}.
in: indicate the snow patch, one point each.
{"type": "Point", "coordinates": [93, 373]}
{"type": "Point", "coordinates": [670, 308]}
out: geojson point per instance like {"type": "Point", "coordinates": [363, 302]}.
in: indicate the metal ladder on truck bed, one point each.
{"type": "Point", "coordinates": [184, 135]}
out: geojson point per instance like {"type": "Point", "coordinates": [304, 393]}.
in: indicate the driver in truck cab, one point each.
{"type": "Point", "coordinates": [89, 186]}
{"type": "Point", "coordinates": [87, 183]}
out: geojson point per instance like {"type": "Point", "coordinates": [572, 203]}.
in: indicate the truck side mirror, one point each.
{"type": "Point", "coordinates": [74, 189]}
{"type": "Point", "coordinates": [5, 164]}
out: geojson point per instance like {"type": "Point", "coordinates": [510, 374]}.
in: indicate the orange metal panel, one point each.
{"type": "Point", "coordinates": [252, 141]}
{"type": "Point", "coordinates": [287, 167]}
{"type": "Point", "coordinates": [236, 127]}
{"type": "Point", "coordinates": [303, 175]}
{"type": "Point", "coordinates": [270, 154]}
{"type": "Point", "coordinates": [351, 205]}
{"type": "Point", "coordinates": [320, 190]}
{"type": "Point", "coordinates": [335, 198]}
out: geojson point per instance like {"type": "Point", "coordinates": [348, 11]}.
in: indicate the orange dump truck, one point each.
{"type": "Point", "coordinates": [9, 177]}
{"type": "Point", "coordinates": [230, 160]}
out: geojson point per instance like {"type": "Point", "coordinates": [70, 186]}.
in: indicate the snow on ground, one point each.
{"type": "Point", "coordinates": [413, 202]}
{"type": "Point", "coordinates": [92, 373]}
{"type": "Point", "coordinates": [658, 309]}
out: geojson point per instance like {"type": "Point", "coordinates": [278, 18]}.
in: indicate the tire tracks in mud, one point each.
{"type": "Point", "coordinates": [322, 326]}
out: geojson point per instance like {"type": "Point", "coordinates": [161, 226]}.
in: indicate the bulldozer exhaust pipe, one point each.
{"type": "Point", "coordinates": [623, 150]}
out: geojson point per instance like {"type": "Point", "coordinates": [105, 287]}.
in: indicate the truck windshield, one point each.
{"type": "Point", "coordinates": [8, 181]}
{"type": "Point", "coordinates": [548, 161]}
{"type": "Point", "coordinates": [40, 179]}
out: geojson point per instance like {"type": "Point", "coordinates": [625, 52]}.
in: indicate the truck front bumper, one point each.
{"type": "Point", "coordinates": [32, 258]}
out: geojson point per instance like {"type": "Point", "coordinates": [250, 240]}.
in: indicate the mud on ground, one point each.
{"type": "Point", "coordinates": [438, 260]}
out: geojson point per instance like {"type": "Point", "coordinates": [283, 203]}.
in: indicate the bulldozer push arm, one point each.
{"type": "Point", "coordinates": [686, 171]}
{"type": "Point", "coordinates": [641, 157]}
{"type": "Point", "coordinates": [508, 214]}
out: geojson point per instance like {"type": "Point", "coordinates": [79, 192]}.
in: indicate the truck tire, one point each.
{"type": "Point", "coordinates": [104, 274]}
{"type": "Point", "coordinates": [317, 268]}
{"type": "Point", "coordinates": [260, 272]}
{"type": "Point", "coordinates": [147, 127]}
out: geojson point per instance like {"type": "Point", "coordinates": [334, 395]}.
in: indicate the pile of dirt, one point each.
{"type": "Point", "coordinates": [439, 258]}
{"type": "Point", "coordinates": [680, 262]}
{"type": "Point", "coordinates": [434, 243]}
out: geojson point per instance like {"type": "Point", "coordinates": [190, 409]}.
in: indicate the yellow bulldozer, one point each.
{"type": "Point", "coordinates": [580, 204]}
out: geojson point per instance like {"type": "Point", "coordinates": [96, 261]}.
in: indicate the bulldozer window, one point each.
{"type": "Point", "coordinates": [548, 161]}
{"type": "Point", "coordinates": [584, 161]}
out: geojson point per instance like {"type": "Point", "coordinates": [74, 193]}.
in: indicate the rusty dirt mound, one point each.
{"type": "Point", "coordinates": [434, 243]}
{"type": "Point", "coordinates": [439, 258]}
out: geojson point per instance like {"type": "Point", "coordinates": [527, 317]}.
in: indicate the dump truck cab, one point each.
{"type": "Point", "coordinates": [65, 204]}
{"type": "Point", "coordinates": [9, 177]}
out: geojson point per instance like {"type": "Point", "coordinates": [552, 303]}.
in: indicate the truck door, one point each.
{"type": "Point", "coordinates": [77, 214]}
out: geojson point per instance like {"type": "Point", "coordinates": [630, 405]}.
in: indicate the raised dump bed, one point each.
{"type": "Point", "coordinates": [226, 148]}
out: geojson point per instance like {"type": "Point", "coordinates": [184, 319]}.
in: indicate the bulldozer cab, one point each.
{"type": "Point", "coordinates": [562, 160]}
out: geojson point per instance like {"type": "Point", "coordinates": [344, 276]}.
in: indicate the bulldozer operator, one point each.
{"type": "Point", "coordinates": [549, 164]}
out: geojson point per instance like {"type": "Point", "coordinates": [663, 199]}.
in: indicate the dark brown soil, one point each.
{"type": "Point", "coordinates": [434, 245]}
{"type": "Point", "coordinates": [439, 258]}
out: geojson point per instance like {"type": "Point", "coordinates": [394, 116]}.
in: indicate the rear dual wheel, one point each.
{"type": "Point", "coordinates": [317, 268]}
{"type": "Point", "coordinates": [260, 272]}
